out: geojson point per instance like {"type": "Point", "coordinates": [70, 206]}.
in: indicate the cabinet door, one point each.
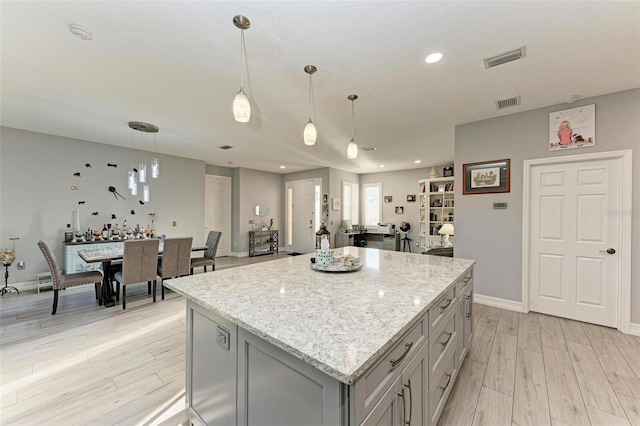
{"type": "Point", "coordinates": [388, 411]}
{"type": "Point", "coordinates": [415, 382]}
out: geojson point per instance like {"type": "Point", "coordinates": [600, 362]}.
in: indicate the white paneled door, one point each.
{"type": "Point", "coordinates": [217, 211]}
{"type": "Point", "coordinates": [302, 214]}
{"type": "Point", "coordinates": [574, 240]}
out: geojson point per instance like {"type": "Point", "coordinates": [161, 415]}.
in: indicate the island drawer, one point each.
{"type": "Point", "coordinates": [439, 311]}
{"type": "Point", "coordinates": [465, 281]}
{"type": "Point", "coordinates": [371, 386]}
{"type": "Point", "coordinates": [445, 336]}
{"type": "Point", "coordinates": [441, 381]}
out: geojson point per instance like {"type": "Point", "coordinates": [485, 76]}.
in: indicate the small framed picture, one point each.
{"type": "Point", "coordinates": [442, 188]}
{"type": "Point", "coordinates": [335, 204]}
{"type": "Point", "coordinates": [447, 171]}
{"type": "Point", "coordinates": [486, 177]}
{"type": "Point", "coordinates": [399, 210]}
{"type": "Point", "coordinates": [325, 199]}
{"type": "Point", "coordinates": [411, 198]}
{"type": "Point", "coordinates": [388, 198]}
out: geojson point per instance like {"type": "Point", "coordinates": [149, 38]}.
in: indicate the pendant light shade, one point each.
{"type": "Point", "coordinates": [131, 179]}
{"type": "Point", "coordinates": [142, 172]}
{"type": "Point", "coordinates": [145, 193]}
{"type": "Point", "coordinates": [352, 149]}
{"type": "Point", "coordinates": [155, 168]}
{"type": "Point", "coordinates": [134, 187]}
{"type": "Point", "coordinates": [241, 104]}
{"type": "Point", "coordinates": [310, 132]}
{"type": "Point", "coordinates": [241, 108]}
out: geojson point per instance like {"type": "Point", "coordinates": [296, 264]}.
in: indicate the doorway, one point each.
{"type": "Point", "coordinates": [577, 237]}
{"type": "Point", "coordinates": [303, 214]}
{"type": "Point", "coordinates": [217, 210]}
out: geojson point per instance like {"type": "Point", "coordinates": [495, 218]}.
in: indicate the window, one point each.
{"type": "Point", "coordinates": [372, 201]}
{"type": "Point", "coordinates": [350, 198]}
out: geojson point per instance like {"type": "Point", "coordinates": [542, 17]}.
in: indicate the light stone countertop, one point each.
{"type": "Point", "coordinates": [340, 323]}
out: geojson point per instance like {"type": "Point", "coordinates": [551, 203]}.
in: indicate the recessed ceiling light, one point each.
{"type": "Point", "coordinates": [283, 167]}
{"type": "Point", "coordinates": [571, 99]}
{"type": "Point", "coordinates": [381, 166]}
{"type": "Point", "coordinates": [81, 32]}
{"type": "Point", "coordinates": [433, 58]}
{"type": "Point", "coordinates": [418, 161]}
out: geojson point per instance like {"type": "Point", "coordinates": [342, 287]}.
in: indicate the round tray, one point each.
{"type": "Point", "coordinates": [336, 267]}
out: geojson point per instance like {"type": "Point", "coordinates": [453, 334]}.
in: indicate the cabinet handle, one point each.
{"type": "Point", "coordinates": [408, 422]}
{"type": "Point", "coordinates": [395, 362]}
{"type": "Point", "coordinates": [444, 344]}
{"type": "Point", "coordinates": [446, 385]}
{"type": "Point", "coordinates": [467, 300]}
{"type": "Point", "coordinates": [404, 414]}
{"type": "Point", "coordinates": [442, 308]}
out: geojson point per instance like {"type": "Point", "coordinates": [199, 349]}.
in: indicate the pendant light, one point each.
{"type": "Point", "coordinates": [241, 105]}
{"type": "Point", "coordinates": [142, 168]}
{"type": "Point", "coordinates": [310, 131]}
{"type": "Point", "coordinates": [352, 149]}
{"type": "Point", "coordinates": [145, 193]}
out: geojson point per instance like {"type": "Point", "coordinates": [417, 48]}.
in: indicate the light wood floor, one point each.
{"type": "Point", "coordinates": [93, 365]}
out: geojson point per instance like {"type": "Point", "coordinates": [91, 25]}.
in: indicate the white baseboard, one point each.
{"type": "Point", "coordinates": [239, 254]}
{"type": "Point", "coordinates": [634, 329]}
{"type": "Point", "coordinates": [27, 285]}
{"type": "Point", "coordinates": [496, 302]}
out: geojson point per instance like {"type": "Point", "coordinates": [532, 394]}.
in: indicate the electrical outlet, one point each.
{"type": "Point", "coordinates": [21, 264]}
{"type": "Point", "coordinates": [174, 223]}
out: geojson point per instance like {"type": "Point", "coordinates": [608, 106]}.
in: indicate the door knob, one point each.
{"type": "Point", "coordinates": [609, 250]}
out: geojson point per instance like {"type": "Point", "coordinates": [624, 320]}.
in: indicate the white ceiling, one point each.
{"type": "Point", "coordinates": [176, 64]}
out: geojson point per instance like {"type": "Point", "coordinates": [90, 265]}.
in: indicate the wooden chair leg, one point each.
{"type": "Point", "coordinates": [162, 288]}
{"type": "Point", "coordinates": [213, 267]}
{"type": "Point", "coordinates": [154, 290]}
{"type": "Point", "coordinates": [205, 268]}
{"type": "Point", "coordinates": [55, 301]}
{"type": "Point", "coordinates": [117, 291]}
{"type": "Point", "coordinates": [191, 271]}
{"type": "Point", "coordinates": [148, 287]}
{"type": "Point", "coordinates": [124, 296]}
{"type": "Point", "coordinates": [99, 293]}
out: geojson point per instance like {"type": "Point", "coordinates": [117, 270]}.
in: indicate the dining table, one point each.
{"type": "Point", "coordinates": [109, 254]}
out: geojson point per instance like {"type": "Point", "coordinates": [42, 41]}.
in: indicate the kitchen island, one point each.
{"type": "Point", "coordinates": [280, 343]}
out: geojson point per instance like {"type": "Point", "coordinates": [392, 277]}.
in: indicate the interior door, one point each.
{"type": "Point", "coordinates": [217, 208]}
{"type": "Point", "coordinates": [303, 215]}
{"type": "Point", "coordinates": [574, 240]}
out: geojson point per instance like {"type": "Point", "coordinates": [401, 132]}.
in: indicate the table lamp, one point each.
{"type": "Point", "coordinates": [444, 231]}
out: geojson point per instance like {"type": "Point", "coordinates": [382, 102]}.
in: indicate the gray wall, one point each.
{"type": "Point", "coordinates": [256, 187]}
{"type": "Point", "coordinates": [494, 237]}
{"type": "Point", "coordinates": [36, 175]}
{"type": "Point", "coordinates": [218, 171]}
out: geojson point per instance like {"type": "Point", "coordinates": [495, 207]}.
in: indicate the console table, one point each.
{"type": "Point", "coordinates": [378, 240]}
{"type": "Point", "coordinates": [263, 242]}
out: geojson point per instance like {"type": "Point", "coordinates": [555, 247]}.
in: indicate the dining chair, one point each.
{"type": "Point", "coordinates": [176, 259]}
{"type": "Point", "coordinates": [139, 264]}
{"type": "Point", "coordinates": [68, 280]}
{"type": "Point", "coordinates": [209, 259]}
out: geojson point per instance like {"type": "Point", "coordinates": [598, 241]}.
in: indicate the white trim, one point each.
{"type": "Point", "coordinates": [239, 254]}
{"type": "Point", "coordinates": [625, 157]}
{"type": "Point", "coordinates": [496, 302]}
{"type": "Point", "coordinates": [634, 329]}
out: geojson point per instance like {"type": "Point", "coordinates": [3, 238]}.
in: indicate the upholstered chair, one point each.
{"type": "Point", "coordinates": [139, 264]}
{"type": "Point", "coordinates": [209, 259]}
{"type": "Point", "coordinates": [176, 259]}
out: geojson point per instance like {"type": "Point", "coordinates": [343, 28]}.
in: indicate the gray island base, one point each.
{"type": "Point", "coordinates": [277, 343]}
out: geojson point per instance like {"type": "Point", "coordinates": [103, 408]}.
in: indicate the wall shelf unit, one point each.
{"type": "Point", "coordinates": [436, 208]}
{"type": "Point", "coordinates": [263, 242]}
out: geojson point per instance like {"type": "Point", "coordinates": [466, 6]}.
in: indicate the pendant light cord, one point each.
{"type": "Point", "coordinates": [353, 120]}
{"type": "Point", "coordinates": [243, 52]}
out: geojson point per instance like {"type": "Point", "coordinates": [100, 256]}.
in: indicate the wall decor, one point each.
{"type": "Point", "coordinates": [77, 174]}
{"type": "Point", "coordinates": [111, 165]}
{"type": "Point", "coordinates": [486, 177]}
{"type": "Point", "coordinates": [388, 198]}
{"type": "Point", "coordinates": [411, 198]}
{"type": "Point", "coordinates": [88, 165]}
{"type": "Point", "coordinates": [572, 128]}
{"type": "Point", "coordinates": [335, 204]}
{"type": "Point", "coordinates": [399, 210]}
{"type": "Point", "coordinates": [447, 171]}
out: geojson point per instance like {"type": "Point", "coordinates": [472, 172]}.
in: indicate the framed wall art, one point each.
{"type": "Point", "coordinates": [572, 128]}
{"type": "Point", "coordinates": [388, 198]}
{"type": "Point", "coordinates": [335, 204]}
{"type": "Point", "coordinates": [486, 177]}
{"type": "Point", "coordinates": [411, 198]}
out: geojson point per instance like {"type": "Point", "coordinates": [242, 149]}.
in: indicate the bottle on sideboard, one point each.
{"type": "Point", "coordinates": [68, 234]}
{"type": "Point", "coordinates": [105, 232]}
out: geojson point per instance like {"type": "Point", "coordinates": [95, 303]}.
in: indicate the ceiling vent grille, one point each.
{"type": "Point", "coordinates": [506, 103]}
{"type": "Point", "coordinates": [225, 147]}
{"type": "Point", "coordinates": [505, 57]}
{"type": "Point", "coordinates": [369, 148]}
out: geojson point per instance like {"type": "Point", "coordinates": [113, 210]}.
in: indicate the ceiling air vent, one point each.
{"type": "Point", "coordinates": [369, 148]}
{"type": "Point", "coordinates": [506, 103]}
{"type": "Point", "coordinates": [225, 147]}
{"type": "Point", "coordinates": [505, 57]}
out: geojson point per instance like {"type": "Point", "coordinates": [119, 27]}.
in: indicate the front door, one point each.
{"type": "Point", "coordinates": [303, 205]}
{"type": "Point", "coordinates": [574, 240]}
